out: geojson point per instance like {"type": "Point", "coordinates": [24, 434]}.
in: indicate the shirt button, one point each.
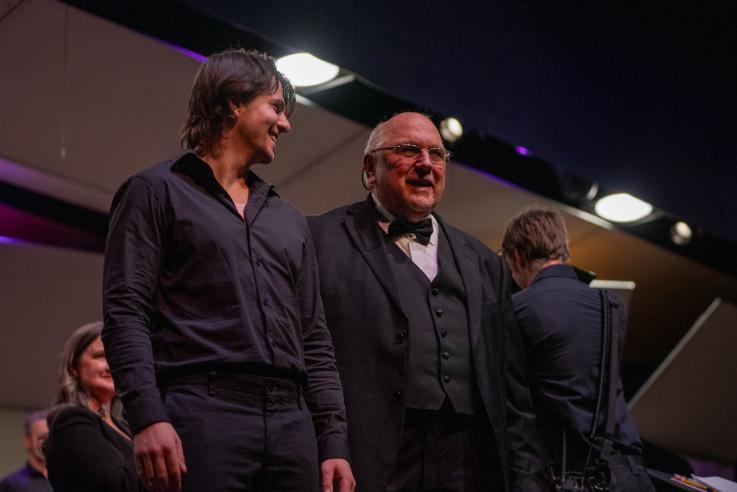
{"type": "Point", "coordinates": [439, 311]}
{"type": "Point", "coordinates": [258, 261]}
{"type": "Point", "coordinates": [446, 355]}
{"type": "Point", "coordinates": [400, 337]}
{"type": "Point", "coordinates": [446, 379]}
{"type": "Point", "coordinates": [266, 301]}
{"type": "Point", "coordinates": [435, 292]}
{"type": "Point", "coordinates": [443, 333]}
{"type": "Point", "coordinates": [397, 396]}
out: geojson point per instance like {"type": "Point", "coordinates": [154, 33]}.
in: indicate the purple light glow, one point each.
{"type": "Point", "coordinates": [11, 240]}
{"type": "Point", "coordinates": [188, 53]}
{"type": "Point", "coordinates": [522, 150]}
{"type": "Point", "coordinates": [491, 177]}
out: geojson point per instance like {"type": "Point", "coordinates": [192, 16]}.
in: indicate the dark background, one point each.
{"type": "Point", "coordinates": [640, 98]}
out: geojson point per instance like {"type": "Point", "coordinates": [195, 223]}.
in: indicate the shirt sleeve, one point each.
{"type": "Point", "coordinates": [324, 395]}
{"type": "Point", "coordinates": [133, 257]}
{"type": "Point", "coordinates": [78, 446]}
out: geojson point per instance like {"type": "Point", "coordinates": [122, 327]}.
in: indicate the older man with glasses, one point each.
{"type": "Point", "coordinates": [422, 325]}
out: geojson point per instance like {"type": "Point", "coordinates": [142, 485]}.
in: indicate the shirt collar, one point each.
{"type": "Point", "coordinates": [190, 164]}
{"type": "Point", "coordinates": [200, 172]}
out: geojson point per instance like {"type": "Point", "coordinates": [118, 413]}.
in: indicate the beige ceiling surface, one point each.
{"type": "Point", "coordinates": [115, 100]}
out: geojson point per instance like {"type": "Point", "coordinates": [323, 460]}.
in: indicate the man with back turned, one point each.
{"type": "Point", "coordinates": [561, 322]}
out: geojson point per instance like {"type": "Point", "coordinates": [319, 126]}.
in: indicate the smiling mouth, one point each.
{"type": "Point", "coordinates": [274, 136]}
{"type": "Point", "coordinates": [421, 183]}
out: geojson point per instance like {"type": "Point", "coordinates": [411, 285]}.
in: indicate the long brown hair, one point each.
{"type": "Point", "coordinates": [230, 77]}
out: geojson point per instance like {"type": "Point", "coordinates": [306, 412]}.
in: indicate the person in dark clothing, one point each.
{"type": "Point", "coordinates": [423, 328]}
{"type": "Point", "coordinates": [89, 446]}
{"type": "Point", "coordinates": [32, 477]}
{"type": "Point", "coordinates": [214, 326]}
{"type": "Point", "coordinates": [560, 319]}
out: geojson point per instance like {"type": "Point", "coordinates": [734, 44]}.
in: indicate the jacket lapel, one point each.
{"type": "Point", "coordinates": [362, 227]}
{"type": "Point", "coordinates": [468, 266]}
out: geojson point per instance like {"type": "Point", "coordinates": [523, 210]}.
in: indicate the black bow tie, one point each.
{"type": "Point", "coordinates": [422, 230]}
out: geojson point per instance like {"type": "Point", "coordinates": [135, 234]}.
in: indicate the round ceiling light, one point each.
{"type": "Point", "coordinates": [681, 233]}
{"type": "Point", "coordinates": [305, 70]}
{"type": "Point", "coordinates": [451, 129]}
{"type": "Point", "coordinates": [622, 207]}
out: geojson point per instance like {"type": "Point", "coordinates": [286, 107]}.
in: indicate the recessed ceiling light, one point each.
{"type": "Point", "coordinates": [305, 70]}
{"type": "Point", "coordinates": [622, 207]}
{"type": "Point", "coordinates": [451, 129]}
{"type": "Point", "coordinates": [681, 233]}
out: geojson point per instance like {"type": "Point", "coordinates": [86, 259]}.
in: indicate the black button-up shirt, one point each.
{"type": "Point", "coordinates": [190, 284]}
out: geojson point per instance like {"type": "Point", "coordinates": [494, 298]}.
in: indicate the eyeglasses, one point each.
{"type": "Point", "coordinates": [438, 155]}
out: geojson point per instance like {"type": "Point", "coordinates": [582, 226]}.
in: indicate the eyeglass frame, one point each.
{"type": "Point", "coordinates": [395, 148]}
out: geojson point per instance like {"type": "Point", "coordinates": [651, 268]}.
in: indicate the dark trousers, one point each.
{"type": "Point", "coordinates": [628, 474]}
{"type": "Point", "coordinates": [445, 451]}
{"type": "Point", "coordinates": [243, 433]}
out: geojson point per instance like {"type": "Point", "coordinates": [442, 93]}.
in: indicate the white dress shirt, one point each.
{"type": "Point", "coordinates": [425, 257]}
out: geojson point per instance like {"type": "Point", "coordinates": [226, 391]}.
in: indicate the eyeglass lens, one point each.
{"type": "Point", "coordinates": [437, 154]}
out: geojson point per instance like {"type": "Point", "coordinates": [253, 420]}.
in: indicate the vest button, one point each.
{"type": "Point", "coordinates": [397, 396]}
{"type": "Point", "coordinates": [443, 333]}
{"type": "Point", "coordinates": [400, 337]}
{"type": "Point", "coordinates": [446, 379]}
{"type": "Point", "coordinates": [446, 355]}
{"type": "Point", "coordinates": [439, 311]}
{"type": "Point", "coordinates": [435, 292]}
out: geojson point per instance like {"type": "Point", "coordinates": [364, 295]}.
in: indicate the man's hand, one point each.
{"type": "Point", "coordinates": [159, 458]}
{"type": "Point", "coordinates": [339, 470]}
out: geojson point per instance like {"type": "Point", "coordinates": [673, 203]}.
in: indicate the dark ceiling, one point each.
{"type": "Point", "coordinates": [639, 97]}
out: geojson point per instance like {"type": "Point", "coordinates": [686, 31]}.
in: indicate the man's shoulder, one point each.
{"type": "Point", "coordinates": [12, 481]}
{"type": "Point", "coordinates": [156, 173]}
{"type": "Point", "coordinates": [151, 178]}
{"type": "Point", "coordinates": [552, 293]}
{"type": "Point", "coordinates": [471, 242]}
{"type": "Point", "coordinates": [331, 217]}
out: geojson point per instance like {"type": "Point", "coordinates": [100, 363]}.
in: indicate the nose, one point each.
{"type": "Point", "coordinates": [283, 123]}
{"type": "Point", "coordinates": [423, 165]}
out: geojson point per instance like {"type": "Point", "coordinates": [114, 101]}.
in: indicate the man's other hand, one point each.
{"type": "Point", "coordinates": [159, 458]}
{"type": "Point", "coordinates": [338, 470]}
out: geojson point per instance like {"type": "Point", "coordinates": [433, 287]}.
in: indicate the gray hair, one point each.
{"type": "Point", "coordinates": [377, 133]}
{"type": "Point", "coordinates": [32, 417]}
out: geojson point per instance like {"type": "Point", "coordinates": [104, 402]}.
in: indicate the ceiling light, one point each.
{"type": "Point", "coordinates": [304, 70]}
{"type": "Point", "coordinates": [681, 233]}
{"type": "Point", "coordinates": [451, 129]}
{"type": "Point", "coordinates": [622, 207]}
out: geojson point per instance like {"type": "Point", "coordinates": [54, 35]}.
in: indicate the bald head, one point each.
{"type": "Point", "coordinates": [377, 135]}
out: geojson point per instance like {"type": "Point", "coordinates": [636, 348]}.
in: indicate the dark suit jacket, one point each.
{"type": "Point", "coordinates": [83, 453]}
{"type": "Point", "coordinates": [365, 315]}
{"type": "Point", "coordinates": [560, 320]}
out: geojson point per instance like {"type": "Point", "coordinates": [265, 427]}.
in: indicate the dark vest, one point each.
{"type": "Point", "coordinates": [440, 362]}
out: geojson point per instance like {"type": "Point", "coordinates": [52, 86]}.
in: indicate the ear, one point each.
{"type": "Point", "coordinates": [235, 108]}
{"type": "Point", "coordinates": [369, 168]}
{"type": "Point", "coordinates": [518, 260]}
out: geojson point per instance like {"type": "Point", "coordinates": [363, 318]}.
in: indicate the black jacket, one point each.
{"type": "Point", "coordinates": [365, 317]}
